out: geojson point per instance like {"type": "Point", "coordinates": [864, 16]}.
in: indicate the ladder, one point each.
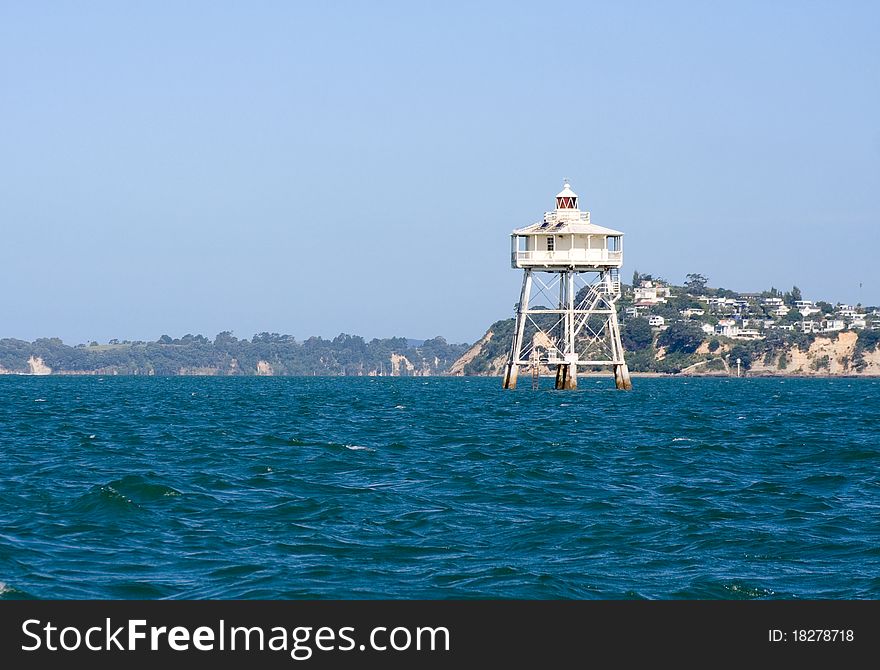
{"type": "Point", "coordinates": [535, 365]}
{"type": "Point", "coordinates": [615, 281]}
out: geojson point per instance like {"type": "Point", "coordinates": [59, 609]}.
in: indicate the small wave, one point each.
{"type": "Point", "coordinates": [235, 571]}
{"type": "Point", "coordinates": [682, 439]}
{"type": "Point", "coordinates": [39, 400]}
{"type": "Point", "coordinates": [746, 591]}
{"type": "Point", "coordinates": [8, 592]}
{"type": "Point", "coordinates": [103, 500]}
{"type": "Point", "coordinates": [711, 588]}
{"type": "Point", "coordinates": [272, 438]}
{"type": "Point", "coordinates": [141, 489]}
{"type": "Point", "coordinates": [400, 407]}
{"type": "Point", "coordinates": [357, 447]}
{"type": "Point", "coordinates": [125, 495]}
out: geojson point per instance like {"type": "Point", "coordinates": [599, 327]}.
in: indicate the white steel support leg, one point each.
{"type": "Point", "coordinates": [570, 316]}
{"type": "Point", "coordinates": [566, 372]}
{"type": "Point", "coordinates": [621, 372]}
{"type": "Point", "coordinates": [512, 370]}
{"type": "Point", "coordinates": [563, 330]}
{"type": "Point", "coordinates": [570, 350]}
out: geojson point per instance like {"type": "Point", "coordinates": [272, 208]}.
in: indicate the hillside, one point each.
{"type": "Point", "coordinates": [264, 354]}
{"type": "Point", "coordinates": [697, 330]}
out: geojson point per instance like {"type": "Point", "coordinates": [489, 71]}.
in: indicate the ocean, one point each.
{"type": "Point", "coordinates": [201, 487]}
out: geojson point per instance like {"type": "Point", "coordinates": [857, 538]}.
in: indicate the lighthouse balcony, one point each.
{"type": "Point", "coordinates": [567, 258]}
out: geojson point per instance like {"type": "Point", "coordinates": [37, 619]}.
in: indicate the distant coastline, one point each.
{"type": "Point", "coordinates": [826, 356]}
{"type": "Point", "coordinates": [690, 330]}
{"type": "Point", "coordinates": [266, 354]}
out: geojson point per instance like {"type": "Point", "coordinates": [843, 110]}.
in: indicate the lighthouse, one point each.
{"type": "Point", "coordinates": [566, 317]}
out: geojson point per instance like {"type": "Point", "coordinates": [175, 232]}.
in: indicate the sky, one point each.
{"type": "Point", "coordinates": [316, 168]}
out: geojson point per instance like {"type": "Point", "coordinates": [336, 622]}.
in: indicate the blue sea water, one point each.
{"type": "Point", "coordinates": [194, 487]}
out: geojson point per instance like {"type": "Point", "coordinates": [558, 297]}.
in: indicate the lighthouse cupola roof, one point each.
{"type": "Point", "coordinates": [566, 198]}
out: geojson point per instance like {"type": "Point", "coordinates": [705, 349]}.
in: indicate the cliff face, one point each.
{"type": "Point", "coordinates": [37, 366]}
{"type": "Point", "coordinates": [488, 356]}
{"type": "Point", "coordinates": [825, 356]}
{"type": "Point", "coordinates": [458, 368]}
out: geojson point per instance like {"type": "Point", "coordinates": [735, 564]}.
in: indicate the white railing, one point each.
{"type": "Point", "coordinates": [570, 255]}
{"type": "Point", "coordinates": [567, 215]}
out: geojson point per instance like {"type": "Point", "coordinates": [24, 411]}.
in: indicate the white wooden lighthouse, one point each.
{"type": "Point", "coordinates": [566, 316]}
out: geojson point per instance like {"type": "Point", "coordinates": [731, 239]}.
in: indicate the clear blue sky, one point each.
{"type": "Point", "coordinates": [313, 168]}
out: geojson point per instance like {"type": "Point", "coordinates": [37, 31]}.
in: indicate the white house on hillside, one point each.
{"type": "Point", "coordinates": [748, 334]}
{"type": "Point", "coordinates": [727, 328]}
{"type": "Point", "coordinates": [651, 293]}
{"type": "Point", "coordinates": [806, 307]}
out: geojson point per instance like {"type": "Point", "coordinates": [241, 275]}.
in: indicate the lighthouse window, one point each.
{"type": "Point", "coordinates": [551, 242]}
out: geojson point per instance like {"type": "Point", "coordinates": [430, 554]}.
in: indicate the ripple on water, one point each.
{"type": "Point", "coordinates": [437, 488]}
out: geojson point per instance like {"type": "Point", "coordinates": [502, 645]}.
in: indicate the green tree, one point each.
{"type": "Point", "coordinates": [744, 354]}
{"type": "Point", "coordinates": [868, 340]}
{"type": "Point", "coordinates": [225, 339]}
{"type": "Point", "coordinates": [791, 297]}
{"type": "Point", "coordinates": [681, 337]}
{"type": "Point", "coordinates": [636, 334]}
{"type": "Point", "coordinates": [696, 283]}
